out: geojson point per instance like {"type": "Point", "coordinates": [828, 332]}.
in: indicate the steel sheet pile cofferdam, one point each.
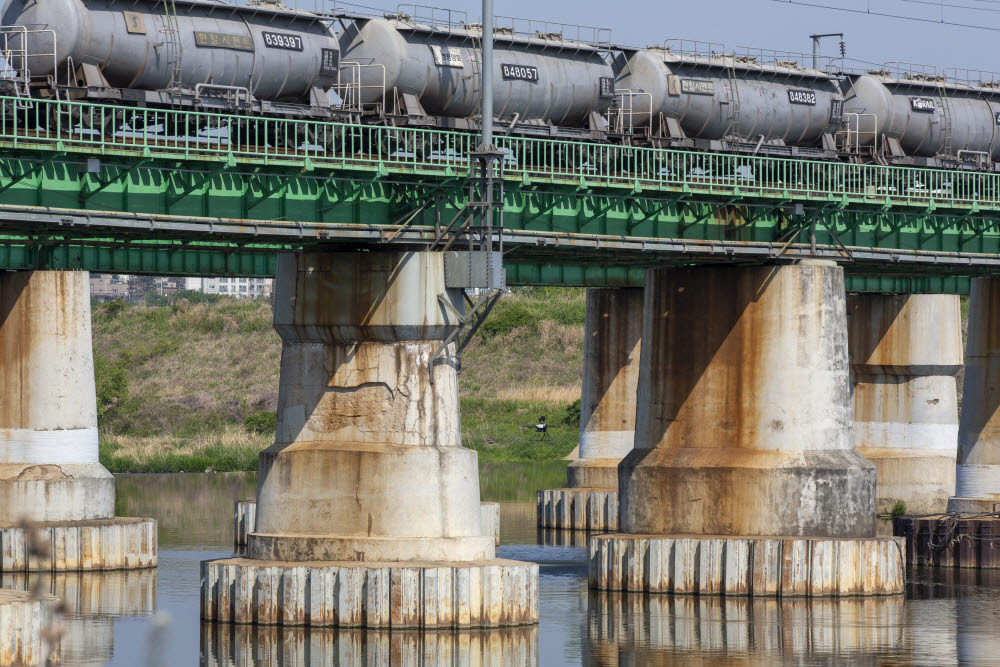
{"type": "Point", "coordinates": [421, 67]}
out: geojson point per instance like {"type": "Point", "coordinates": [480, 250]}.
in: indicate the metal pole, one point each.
{"type": "Point", "coordinates": [486, 76]}
{"type": "Point", "coordinates": [815, 39]}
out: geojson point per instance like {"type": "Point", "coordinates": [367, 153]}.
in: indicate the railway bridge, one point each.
{"type": "Point", "coordinates": [754, 324]}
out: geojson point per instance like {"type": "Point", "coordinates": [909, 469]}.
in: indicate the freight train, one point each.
{"type": "Point", "coordinates": [422, 68]}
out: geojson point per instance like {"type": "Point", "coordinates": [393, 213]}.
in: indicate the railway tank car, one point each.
{"type": "Point", "coordinates": [719, 102]}
{"type": "Point", "coordinates": [161, 51]}
{"type": "Point", "coordinates": [544, 84]}
{"type": "Point", "coordinates": [924, 120]}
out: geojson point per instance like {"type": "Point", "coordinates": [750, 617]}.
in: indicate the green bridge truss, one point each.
{"type": "Point", "coordinates": [108, 188]}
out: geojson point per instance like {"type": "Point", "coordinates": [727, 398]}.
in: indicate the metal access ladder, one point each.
{"type": "Point", "coordinates": [172, 40]}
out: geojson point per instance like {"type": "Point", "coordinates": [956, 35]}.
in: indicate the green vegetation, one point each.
{"type": "Point", "coordinates": [189, 381]}
{"type": "Point", "coordinates": [899, 509]}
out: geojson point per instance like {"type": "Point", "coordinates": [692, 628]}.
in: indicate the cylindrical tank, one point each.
{"type": "Point", "coordinates": [277, 54]}
{"type": "Point", "coordinates": [714, 97]}
{"type": "Point", "coordinates": [544, 78]}
{"type": "Point", "coordinates": [928, 117]}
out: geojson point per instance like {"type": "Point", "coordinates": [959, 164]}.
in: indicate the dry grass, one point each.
{"type": "Point", "coordinates": [145, 447]}
{"type": "Point", "coordinates": [547, 364]}
{"type": "Point", "coordinates": [542, 394]}
{"type": "Point", "coordinates": [231, 448]}
{"type": "Point", "coordinates": [193, 367]}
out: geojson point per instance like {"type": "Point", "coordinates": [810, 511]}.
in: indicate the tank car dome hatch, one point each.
{"type": "Point", "coordinates": [916, 115]}
{"type": "Point", "coordinates": [716, 96]}
{"type": "Point", "coordinates": [541, 79]}
{"type": "Point", "coordinates": [274, 53]}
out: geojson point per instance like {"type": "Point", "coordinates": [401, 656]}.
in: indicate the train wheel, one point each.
{"type": "Point", "coordinates": [568, 157]}
{"type": "Point", "coordinates": [104, 122]}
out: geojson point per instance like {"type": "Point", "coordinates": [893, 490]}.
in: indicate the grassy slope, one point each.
{"type": "Point", "coordinates": [177, 383]}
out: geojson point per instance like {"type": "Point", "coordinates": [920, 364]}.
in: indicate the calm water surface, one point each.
{"type": "Point", "coordinates": [151, 618]}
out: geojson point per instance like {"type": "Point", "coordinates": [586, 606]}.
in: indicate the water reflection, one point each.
{"type": "Point", "coordinates": [191, 509]}
{"type": "Point", "coordinates": [952, 616]}
{"type": "Point", "coordinates": [563, 537]}
{"type": "Point", "coordinates": [93, 601]}
{"type": "Point", "coordinates": [660, 629]}
{"type": "Point", "coordinates": [239, 646]}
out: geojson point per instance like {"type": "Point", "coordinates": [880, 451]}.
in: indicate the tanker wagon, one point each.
{"type": "Point", "coordinates": [727, 103]}
{"type": "Point", "coordinates": [913, 118]}
{"type": "Point", "coordinates": [205, 54]}
{"type": "Point", "coordinates": [428, 74]}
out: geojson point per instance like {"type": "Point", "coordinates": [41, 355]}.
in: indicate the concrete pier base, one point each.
{"type": "Point", "coordinates": [611, 352]}
{"type": "Point", "coordinates": [977, 477]}
{"type": "Point", "coordinates": [905, 351]}
{"type": "Point", "coordinates": [23, 621]}
{"type": "Point", "coordinates": [490, 513]}
{"type": "Point", "coordinates": [949, 540]}
{"type": "Point", "coordinates": [245, 517]}
{"type": "Point", "coordinates": [244, 520]}
{"type": "Point", "coordinates": [368, 508]}
{"type": "Point", "coordinates": [100, 544]}
{"type": "Point", "coordinates": [263, 646]}
{"type": "Point", "coordinates": [578, 509]}
{"type": "Point", "coordinates": [770, 567]}
{"type": "Point", "coordinates": [56, 499]}
{"type": "Point", "coordinates": [375, 595]}
{"type": "Point", "coordinates": [744, 436]}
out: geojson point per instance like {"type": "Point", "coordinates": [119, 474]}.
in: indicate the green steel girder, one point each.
{"type": "Point", "coordinates": [575, 213]}
{"type": "Point", "coordinates": [259, 195]}
{"type": "Point", "coordinates": [107, 256]}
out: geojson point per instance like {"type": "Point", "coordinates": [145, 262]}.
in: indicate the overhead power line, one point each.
{"type": "Point", "coordinates": [871, 12]}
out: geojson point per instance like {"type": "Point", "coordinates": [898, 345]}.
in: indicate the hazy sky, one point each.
{"type": "Point", "coordinates": [780, 25]}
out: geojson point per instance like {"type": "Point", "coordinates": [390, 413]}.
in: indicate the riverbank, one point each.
{"type": "Point", "coordinates": [189, 383]}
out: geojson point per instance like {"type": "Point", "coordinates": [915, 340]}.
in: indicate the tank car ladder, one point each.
{"type": "Point", "coordinates": [734, 98]}
{"type": "Point", "coordinates": [476, 66]}
{"type": "Point", "coordinates": [946, 117]}
{"type": "Point", "coordinates": [175, 52]}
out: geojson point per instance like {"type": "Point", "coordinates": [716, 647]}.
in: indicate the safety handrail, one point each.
{"type": "Point", "coordinates": [204, 135]}
{"type": "Point", "coordinates": [17, 59]}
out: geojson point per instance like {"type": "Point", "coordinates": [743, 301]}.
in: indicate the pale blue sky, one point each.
{"type": "Point", "coordinates": [783, 26]}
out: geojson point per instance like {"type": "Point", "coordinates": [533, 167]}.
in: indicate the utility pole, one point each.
{"type": "Point", "coordinates": [486, 189]}
{"type": "Point", "coordinates": [486, 73]}
{"type": "Point", "coordinates": [817, 38]}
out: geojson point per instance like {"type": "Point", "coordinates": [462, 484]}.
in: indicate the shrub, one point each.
{"type": "Point", "coordinates": [262, 422]}
{"type": "Point", "coordinates": [112, 385]}
{"type": "Point", "coordinates": [114, 307]}
{"type": "Point", "coordinates": [572, 417]}
{"type": "Point", "coordinates": [899, 509]}
{"type": "Point", "coordinates": [506, 317]}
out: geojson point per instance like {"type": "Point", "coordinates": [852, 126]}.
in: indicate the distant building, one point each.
{"type": "Point", "coordinates": [238, 287]}
{"type": "Point", "coordinates": [108, 286]}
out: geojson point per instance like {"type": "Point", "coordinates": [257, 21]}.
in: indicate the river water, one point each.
{"type": "Point", "coordinates": [152, 618]}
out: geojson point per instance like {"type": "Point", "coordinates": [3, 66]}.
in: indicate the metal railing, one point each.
{"type": "Point", "coordinates": [107, 130]}
{"type": "Point", "coordinates": [354, 91]}
{"type": "Point", "coordinates": [17, 59]}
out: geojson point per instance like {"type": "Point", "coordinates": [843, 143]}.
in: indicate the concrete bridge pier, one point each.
{"type": "Point", "coordinates": [744, 479]}
{"type": "Point", "coordinates": [977, 478]}
{"type": "Point", "coordinates": [57, 502]}
{"type": "Point", "coordinates": [368, 507]}
{"type": "Point", "coordinates": [611, 350]}
{"type": "Point", "coordinates": [905, 351]}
